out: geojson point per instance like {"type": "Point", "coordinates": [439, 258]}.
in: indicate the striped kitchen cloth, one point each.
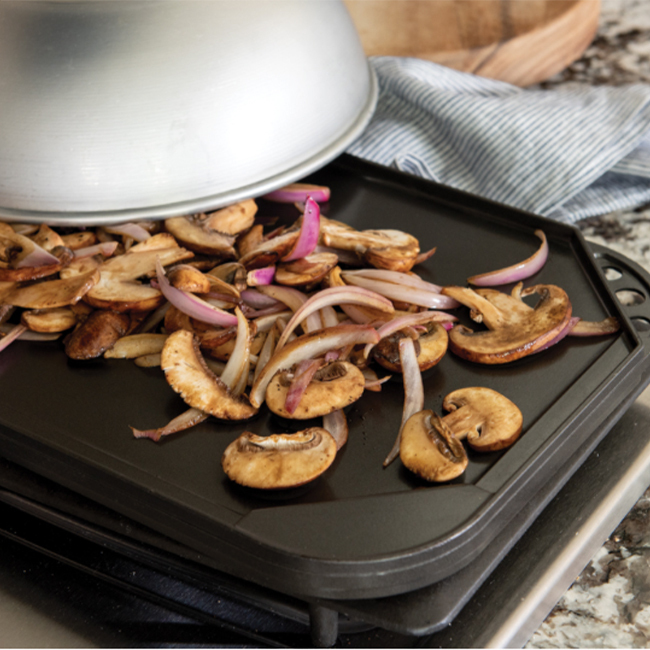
{"type": "Point", "coordinates": [566, 153]}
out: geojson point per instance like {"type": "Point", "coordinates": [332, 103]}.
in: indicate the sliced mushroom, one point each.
{"type": "Point", "coordinates": [488, 419]}
{"type": "Point", "coordinates": [187, 278]}
{"type": "Point", "coordinates": [279, 461]}
{"type": "Point", "coordinates": [430, 347]}
{"type": "Point", "coordinates": [515, 330]}
{"type": "Point", "coordinates": [191, 233]}
{"type": "Point", "coordinates": [305, 271]}
{"type": "Point", "coordinates": [232, 273]}
{"type": "Point", "coordinates": [22, 251]}
{"type": "Point", "coordinates": [47, 238]}
{"type": "Point", "coordinates": [136, 345]}
{"type": "Point", "coordinates": [96, 334]}
{"type": "Point", "coordinates": [58, 319]}
{"type": "Point", "coordinates": [334, 386]}
{"type": "Point", "coordinates": [429, 449]}
{"type": "Point", "coordinates": [78, 240]}
{"type": "Point", "coordinates": [250, 240]}
{"type": "Point", "coordinates": [270, 250]}
{"type": "Point", "coordinates": [49, 293]}
{"type": "Point", "coordinates": [385, 249]}
{"type": "Point", "coordinates": [233, 219]}
{"type": "Point", "coordinates": [221, 343]}
{"type": "Point", "coordinates": [119, 287]}
{"type": "Point", "coordinates": [187, 373]}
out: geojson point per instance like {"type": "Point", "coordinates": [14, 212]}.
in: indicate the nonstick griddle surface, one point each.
{"type": "Point", "coordinates": [360, 531]}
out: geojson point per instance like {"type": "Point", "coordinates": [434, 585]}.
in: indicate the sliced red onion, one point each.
{"type": "Point", "coordinates": [309, 346]}
{"type": "Point", "coordinates": [396, 277]}
{"type": "Point", "coordinates": [329, 316]}
{"type": "Point", "coordinates": [335, 296]}
{"type": "Point", "coordinates": [192, 305]}
{"type": "Point", "coordinates": [265, 323]}
{"type": "Point", "coordinates": [423, 257]}
{"type": "Point", "coordinates": [182, 422]}
{"type": "Point", "coordinates": [244, 378]}
{"type": "Point", "coordinates": [13, 334]}
{"type": "Point", "coordinates": [294, 299]}
{"type": "Point", "coordinates": [302, 377]}
{"type": "Point", "coordinates": [376, 384]}
{"type": "Point", "coordinates": [358, 314]}
{"type": "Point", "coordinates": [299, 192]}
{"type": "Point", "coordinates": [516, 272]}
{"type": "Point", "coordinates": [337, 425]}
{"type": "Point", "coordinates": [240, 353]}
{"type": "Point", "coordinates": [565, 331]}
{"type": "Point", "coordinates": [28, 335]}
{"type": "Point", "coordinates": [261, 313]}
{"type": "Point", "coordinates": [106, 249]}
{"type": "Point", "coordinates": [221, 300]}
{"type": "Point", "coordinates": [133, 230]}
{"type": "Point", "coordinates": [595, 328]}
{"type": "Point", "coordinates": [410, 320]}
{"type": "Point", "coordinates": [309, 231]}
{"type": "Point", "coordinates": [404, 293]}
{"type": "Point", "coordinates": [258, 277]}
{"type": "Point", "coordinates": [266, 351]}
{"type": "Point", "coordinates": [257, 300]}
{"type": "Point", "coordinates": [413, 391]}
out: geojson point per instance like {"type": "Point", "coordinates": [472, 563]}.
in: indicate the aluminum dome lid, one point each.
{"type": "Point", "coordinates": [150, 108]}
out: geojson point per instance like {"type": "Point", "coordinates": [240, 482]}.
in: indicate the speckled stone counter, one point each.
{"type": "Point", "coordinates": [608, 606]}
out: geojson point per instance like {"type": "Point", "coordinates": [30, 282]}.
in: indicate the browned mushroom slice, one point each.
{"type": "Point", "coordinates": [233, 219]}
{"type": "Point", "coordinates": [187, 278]}
{"type": "Point", "coordinates": [232, 273]}
{"type": "Point", "coordinates": [515, 330]}
{"type": "Point", "coordinates": [58, 319]}
{"type": "Point", "coordinates": [279, 461]}
{"type": "Point", "coordinates": [429, 449]}
{"type": "Point", "coordinates": [49, 293]}
{"type": "Point", "coordinates": [430, 347]}
{"type": "Point", "coordinates": [133, 346]}
{"type": "Point", "coordinates": [221, 343]}
{"type": "Point", "coordinates": [47, 238]}
{"type": "Point", "coordinates": [191, 233]}
{"type": "Point", "coordinates": [119, 287]}
{"type": "Point", "coordinates": [334, 386]}
{"type": "Point", "coordinates": [488, 419]}
{"type": "Point", "coordinates": [187, 373]}
{"type": "Point", "coordinates": [250, 240]}
{"type": "Point", "coordinates": [8, 273]}
{"type": "Point", "coordinates": [271, 250]}
{"type": "Point", "coordinates": [96, 334]}
{"type": "Point", "coordinates": [305, 271]}
{"type": "Point", "coordinates": [78, 240]}
{"type": "Point", "coordinates": [385, 249]}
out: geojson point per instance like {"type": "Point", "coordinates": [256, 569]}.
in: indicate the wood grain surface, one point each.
{"type": "Point", "coordinates": [519, 41]}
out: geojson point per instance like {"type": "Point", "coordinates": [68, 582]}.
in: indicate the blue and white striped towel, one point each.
{"type": "Point", "coordinates": [567, 153]}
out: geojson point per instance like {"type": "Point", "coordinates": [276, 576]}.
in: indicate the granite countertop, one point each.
{"type": "Point", "coordinates": [608, 606]}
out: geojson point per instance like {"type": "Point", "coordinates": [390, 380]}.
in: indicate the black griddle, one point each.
{"type": "Point", "coordinates": [360, 533]}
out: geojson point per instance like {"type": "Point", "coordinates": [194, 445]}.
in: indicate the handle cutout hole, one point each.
{"type": "Point", "coordinates": [641, 324]}
{"type": "Point", "coordinates": [612, 273]}
{"type": "Point", "coordinates": [630, 297]}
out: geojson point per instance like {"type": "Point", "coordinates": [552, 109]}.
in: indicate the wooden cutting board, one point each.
{"type": "Point", "coordinates": [519, 41]}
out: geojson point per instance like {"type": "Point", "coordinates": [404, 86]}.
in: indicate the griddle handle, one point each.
{"type": "Point", "coordinates": [324, 626]}
{"type": "Point", "coordinates": [630, 278]}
